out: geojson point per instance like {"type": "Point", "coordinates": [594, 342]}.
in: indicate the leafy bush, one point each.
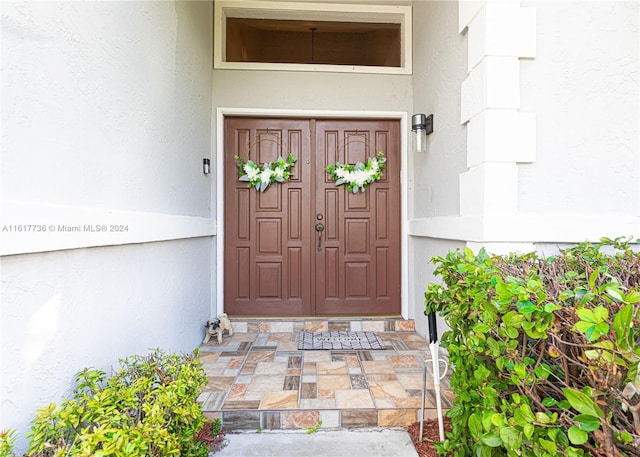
{"type": "Point", "coordinates": [216, 426]}
{"type": "Point", "coordinates": [546, 351]}
{"type": "Point", "coordinates": [7, 440]}
{"type": "Point", "coordinates": [148, 408]}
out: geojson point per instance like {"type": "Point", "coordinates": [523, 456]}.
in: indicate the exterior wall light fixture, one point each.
{"type": "Point", "coordinates": [206, 166]}
{"type": "Point", "coordinates": [422, 126]}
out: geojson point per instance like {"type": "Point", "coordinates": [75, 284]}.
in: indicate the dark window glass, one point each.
{"type": "Point", "coordinates": [313, 42]}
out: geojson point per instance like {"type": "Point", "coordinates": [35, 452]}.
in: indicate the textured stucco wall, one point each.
{"type": "Point", "coordinates": [311, 91]}
{"type": "Point", "coordinates": [583, 85]}
{"type": "Point", "coordinates": [101, 99]}
{"type": "Point", "coordinates": [421, 252]}
{"type": "Point", "coordinates": [67, 310]}
{"type": "Point", "coordinates": [106, 106]}
{"type": "Point", "coordinates": [440, 56]}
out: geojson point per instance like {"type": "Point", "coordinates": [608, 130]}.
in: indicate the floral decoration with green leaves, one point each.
{"type": "Point", "coordinates": [357, 177]}
{"type": "Point", "coordinates": [262, 176]}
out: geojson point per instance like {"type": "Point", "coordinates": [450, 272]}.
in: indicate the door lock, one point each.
{"type": "Point", "coordinates": [319, 229]}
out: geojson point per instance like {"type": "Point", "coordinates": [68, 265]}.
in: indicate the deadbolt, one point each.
{"type": "Point", "coordinates": [319, 216]}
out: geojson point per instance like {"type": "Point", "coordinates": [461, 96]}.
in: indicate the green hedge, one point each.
{"type": "Point", "coordinates": [148, 408]}
{"type": "Point", "coordinates": [545, 351]}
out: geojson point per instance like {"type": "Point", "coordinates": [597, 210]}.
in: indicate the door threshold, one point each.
{"type": "Point", "coordinates": [279, 324]}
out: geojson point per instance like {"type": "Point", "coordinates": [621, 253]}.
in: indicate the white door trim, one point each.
{"type": "Point", "coordinates": [221, 112]}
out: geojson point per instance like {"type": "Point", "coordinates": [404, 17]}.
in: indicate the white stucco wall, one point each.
{"type": "Point", "coordinates": [583, 85]}
{"type": "Point", "coordinates": [440, 56]}
{"type": "Point", "coordinates": [311, 91]}
{"type": "Point", "coordinates": [67, 310]}
{"type": "Point", "coordinates": [101, 98]}
{"type": "Point", "coordinates": [106, 118]}
{"type": "Point", "coordinates": [422, 251]}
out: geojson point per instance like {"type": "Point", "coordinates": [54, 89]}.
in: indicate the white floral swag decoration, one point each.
{"type": "Point", "coordinates": [357, 177]}
{"type": "Point", "coordinates": [263, 176]}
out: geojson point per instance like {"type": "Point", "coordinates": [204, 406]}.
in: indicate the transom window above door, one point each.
{"type": "Point", "coordinates": [352, 38]}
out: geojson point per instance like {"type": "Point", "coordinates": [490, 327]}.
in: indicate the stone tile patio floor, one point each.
{"type": "Point", "coordinates": [258, 379]}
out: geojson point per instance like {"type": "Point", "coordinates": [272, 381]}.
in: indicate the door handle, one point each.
{"type": "Point", "coordinates": [319, 229]}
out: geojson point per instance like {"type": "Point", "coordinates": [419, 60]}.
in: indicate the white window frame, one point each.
{"type": "Point", "coordinates": [311, 12]}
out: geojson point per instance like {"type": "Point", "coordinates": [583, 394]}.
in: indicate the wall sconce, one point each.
{"type": "Point", "coordinates": [206, 166]}
{"type": "Point", "coordinates": [422, 126]}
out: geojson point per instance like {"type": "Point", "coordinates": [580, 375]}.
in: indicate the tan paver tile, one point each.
{"type": "Point", "coordinates": [235, 363]}
{"type": "Point", "coordinates": [316, 356]}
{"type": "Point", "coordinates": [377, 367]}
{"type": "Point", "coordinates": [377, 377]}
{"type": "Point", "coordinates": [372, 326]}
{"type": "Point", "coordinates": [387, 389]}
{"type": "Point", "coordinates": [300, 419]}
{"type": "Point", "coordinates": [248, 369]}
{"type": "Point", "coordinates": [350, 399]}
{"type": "Point", "coordinates": [237, 392]}
{"type": "Point", "coordinates": [333, 382]}
{"type": "Point", "coordinates": [405, 326]}
{"type": "Point", "coordinates": [237, 336]}
{"type": "Point", "coordinates": [218, 384]}
{"type": "Point", "coordinates": [266, 383]}
{"type": "Point", "coordinates": [403, 361]}
{"type": "Point", "coordinates": [287, 346]}
{"type": "Point", "coordinates": [280, 400]}
{"type": "Point", "coordinates": [317, 326]}
{"type": "Point", "coordinates": [411, 380]}
{"type": "Point", "coordinates": [396, 417]}
{"type": "Point", "coordinates": [404, 403]}
{"type": "Point", "coordinates": [310, 368]}
{"type": "Point", "coordinates": [270, 368]}
{"type": "Point", "coordinates": [352, 361]}
{"type": "Point", "coordinates": [325, 368]}
{"type": "Point", "coordinates": [209, 357]}
{"type": "Point", "coordinates": [261, 356]}
{"type": "Point", "coordinates": [281, 327]}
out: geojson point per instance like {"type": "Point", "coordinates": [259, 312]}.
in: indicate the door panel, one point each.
{"type": "Point", "coordinates": [274, 264]}
{"type": "Point", "coordinates": [361, 246]}
{"type": "Point", "coordinates": [267, 259]}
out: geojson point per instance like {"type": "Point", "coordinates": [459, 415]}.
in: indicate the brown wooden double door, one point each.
{"type": "Point", "coordinates": [308, 247]}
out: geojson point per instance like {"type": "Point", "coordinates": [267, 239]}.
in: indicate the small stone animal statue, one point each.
{"type": "Point", "coordinates": [216, 327]}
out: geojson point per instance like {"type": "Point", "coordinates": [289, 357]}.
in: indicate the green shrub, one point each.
{"type": "Point", "coordinates": [546, 351]}
{"type": "Point", "coordinates": [147, 408]}
{"type": "Point", "coordinates": [7, 440]}
{"type": "Point", "coordinates": [216, 426]}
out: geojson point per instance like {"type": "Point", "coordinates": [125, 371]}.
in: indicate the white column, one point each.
{"type": "Point", "coordinates": [499, 136]}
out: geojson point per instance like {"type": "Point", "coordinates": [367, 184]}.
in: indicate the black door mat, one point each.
{"type": "Point", "coordinates": [316, 341]}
